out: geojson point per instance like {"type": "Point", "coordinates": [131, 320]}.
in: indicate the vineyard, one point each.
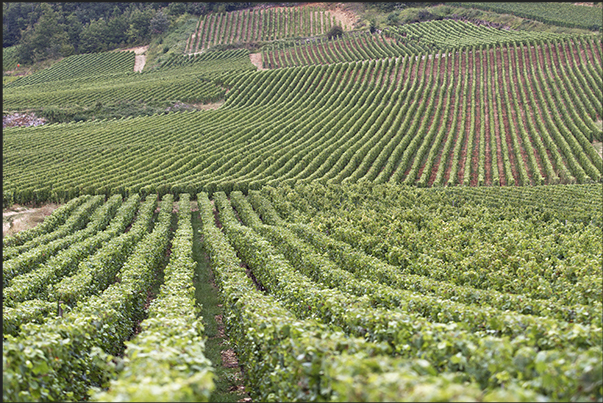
{"type": "Point", "coordinates": [410, 214]}
{"type": "Point", "coordinates": [412, 39]}
{"type": "Point", "coordinates": [509, 115]}
{"type": "Point", "coordinates": [562, 14]}
{"type": "Point", "coordinates": [184, 79]}
{"type": "Point", "coordinates": [436, 289]}
{"type": "Point", "coordinates": [258, 26]}
{"type": "Point", "coordinates": [9, 58]}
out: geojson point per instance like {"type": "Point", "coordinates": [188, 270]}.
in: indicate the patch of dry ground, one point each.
{"type": "Point", "coordinates": [256, 60]}
{"type": "Point", "coordinates": [140, 59]}
{"type": "Point", "coordinates": [597, 144]}
{"type": "Point", "coordinates": [345, 16]}
{"type": "Point", "coordinates": [205, 107]}
{"type": "Point", "coordinates": [599, 147]}
{"type": "Point", "coordinates": [18, 218]}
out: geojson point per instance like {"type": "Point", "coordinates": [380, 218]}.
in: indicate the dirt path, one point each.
{"type": "Point", "coordinates": [599, 147]}
{"type": "Point", "coordinates": [18, 218]}
{"type": "Point", "coordinates": [140, 59]}
{"type": "Point", "coordinates": [256, 59]}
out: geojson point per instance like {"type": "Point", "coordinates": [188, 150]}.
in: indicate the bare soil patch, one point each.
{"type": "Point", "coordinates": [22, 120]}
{"type": "Point", "coordinates": [18, 218]}
{"type": "Point", "coordinates": [599, 147]}
{"type": "Point", "coordinates": [344, 15]}
{"type": "Point", "coordinates": [256, 60]}
{"type": "Point", "coordinates": [140, 58]}
{"type": "Point", "coordinates": [206, 107]}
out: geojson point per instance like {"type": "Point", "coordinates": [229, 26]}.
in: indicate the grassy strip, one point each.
{"type": "Point", "coordinates": [227, 380]}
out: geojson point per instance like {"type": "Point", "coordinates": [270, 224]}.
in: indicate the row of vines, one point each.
{"type": "Point", "coordinates": [561, 14]}
{"type": "Point", "coordinates": [259, 25]}
{"type": "Point", "coordinates": [339, 288]}
{"type": "Point", "coordinates": [322, 278]}
{"type": "Point", "coordinates": [186, 79]}
{"type": "Point", "coordinates": [96, 264]}
{"type": "Point", "coordinates": [504, 116]}
{"type": "Point", "coordinates": [410, 39]}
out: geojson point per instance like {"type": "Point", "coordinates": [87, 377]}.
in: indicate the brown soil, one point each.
{"type": "Point", "coordinates": [514, 118]}
{"type": "Point", "coordinates": [597, 53]}
{"type": "Point", "coordinates": [204, 29]}
{"type": "Point", "coordinates": [431, 97]}
{"type": "Point", "coordinates": [436, 166]}
{"type": "Point", "coordinates": [501, 170]}
{"type": "Point", "coordinates": [457, 129]}
{"type": "Point", "coordinates": [140, 58]}
{"type": "Point", "coordinates": [506, 121]}
{"type": "Point", "coordinates": [198, 37]}
{"type": "Point", "coordinates": [18, 218]}
{"type": "Point", "coordinates": [478, 120]}
{"type": "Point", "coordinates": [487, 139]}
{"type": "Point", "coordinates": [229, 357]}
{"type": "Point", "coordinates": [256, 60]}
{"type": "Point", "coordinates": [539, 113]}
{"type": "Point", "coordinates": [599, 147]}
{"type": "Point", "coordinates": [236, 37]}
{"type": "Point", "coordinates": [468, 130]}
{"type": "Point", "coordinates": [205, 107]}
{"type": "Point", "coordinates": [440, 122]}
{"type": "Point", "coordinates": [519, 79]}
{"type": "Point", "coordinates": [345, 15]}
{"type": "Point", "coordinates": [322, 51]}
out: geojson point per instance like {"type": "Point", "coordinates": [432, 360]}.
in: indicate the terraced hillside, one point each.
{"type": "Point", "coordinates": [563, 14]}
{"type": "Point", "coordinates": [190, 79]}
{"type": "Point", "coordinates": [411, 39]}
{"type": "Point", "coordinates": [258, 25]}
{"type": "Point", "coordinates": [509, 115]}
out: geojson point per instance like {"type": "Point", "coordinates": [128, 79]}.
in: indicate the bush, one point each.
{"type": "Point", "coordinates": [335, 32]}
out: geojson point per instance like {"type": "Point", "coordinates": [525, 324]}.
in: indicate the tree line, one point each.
{"type": "Point", "coordinates": [53, 29]}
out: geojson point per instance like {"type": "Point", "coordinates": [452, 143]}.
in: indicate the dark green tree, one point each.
{"type": "Point", "coordinates": [46, 39]}
{"type": "Point", "coordinates": [177, 8]}
{"type": "Point", "coordinates": [159, 23]}
{"type": "Point", "coordinates": [335, 32]}
{"type": "Point", "coordinates": [74, 29]}
{"type": "Point", "coordinates": [140, 26]}
{"type": "Point", "coordinates": [117, 28]}
{"type": "Point", "coordinates": [94, 37]}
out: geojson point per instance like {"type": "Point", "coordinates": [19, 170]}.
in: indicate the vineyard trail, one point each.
{"type": "Point", "coordinates": [141, 58]}
{"type": "Point", "coordinates": [18, 218]}
{"type": "Point", "coordinates": [256, 60]}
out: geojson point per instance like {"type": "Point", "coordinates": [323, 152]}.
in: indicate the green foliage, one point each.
{"type": "Point", "coordinates": [349, 266]}
{"type": "Point", "coordinates": [10, 58]}
{"type": "Point", "coordinates": [165, 362]}
{"type": "Point", "coordinates": [335, 32]}
{"type": "Point", "coordinates": [104, 85]}
{"type": "Point", "coordinates": [367, 111]}
{"type": "Point", "coordinates": [46, 39]}
{"type": "Point", "coordinates": [24, 258]}
{"type": "Point", "coordinates": [562, 14]}
{"type": "Point", "coordinates": [79, 66]}
{"type": "Point", "coordinates": [273, 24]}
{"type": "Point", "coordinates": [83, 342]}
